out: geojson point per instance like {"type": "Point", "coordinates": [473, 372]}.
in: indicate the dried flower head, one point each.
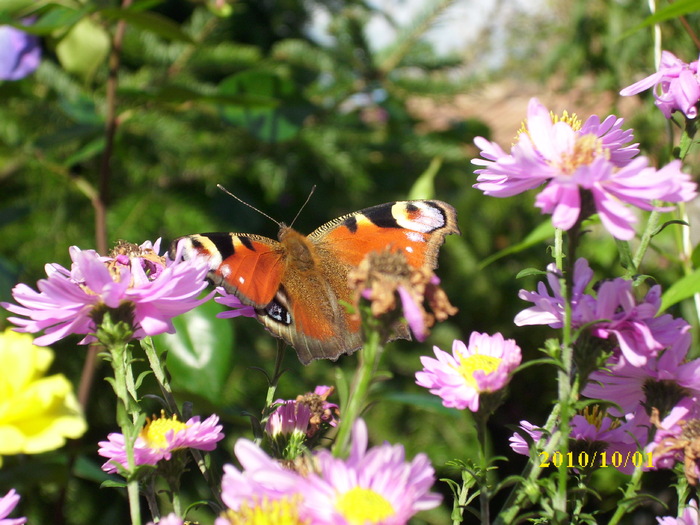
{"type": "Point", "coordinates": [382, 276]}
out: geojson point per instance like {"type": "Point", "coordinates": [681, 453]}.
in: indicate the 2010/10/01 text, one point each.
{"type": "Point", "coordinates": [605, 459]}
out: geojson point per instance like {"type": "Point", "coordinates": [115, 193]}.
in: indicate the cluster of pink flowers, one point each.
{"type": "Point", "coordinates": [156, 288]}
{"type": "Point", "coordinates": [375, 485]}
{"type": "Point", "coordinates": [648, 381]}
{"type": "Point", "coordinates": [579, 163]}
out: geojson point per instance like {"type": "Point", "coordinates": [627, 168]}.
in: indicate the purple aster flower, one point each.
{"type": "Point", "coordinates": [580, 163]}
{"type": "Point", "coordinates": [237, 308]}
{"type": "Point", "coordinates": [519, 444]}
{"type": "Point", "coordinates": [676, 86]}
{"type": "Point", "coordinates": [485, 365]}
{"type": "Point", "coordinates": [156, 288]}
{"type": "Point", "coordinates": [159, 438]}
{"type": "Point", "coordinates": [20, 53]}
{"type": "Point", "coordinates": [614, 312]}
{"type": "Point", "coordinates": [659, 383]}
{"type": "Point", "coordinates": [7, 504]}
{"type": "Point", "coordinates": [370, 486]}
{"type": "Point", "coordinates": [690, 516]}
{"type": "Point", "coordinates": [289, 418]}
{"type": "Point", "coordinates": [592, 433]}
{"type": "Point", "coordinates": [677, 439]}
{"type": "Point", "coordinates": [263, 485]}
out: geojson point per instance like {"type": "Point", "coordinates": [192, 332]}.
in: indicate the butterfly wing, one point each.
{"type": "Point", "coordinates": [417, 228]}
{"type": "Point", "coordinates": [249, 266]}
{"type": "Point", "coordinates": [319, 325]}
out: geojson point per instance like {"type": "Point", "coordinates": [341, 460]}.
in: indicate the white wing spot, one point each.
{"type": "Point", "coordinates": [414, 236]}
{"type": "Point", "coordinates": [225, 270]}
{"type": "Point", "coordinates": [409, 249]}
{"type": "Point", "coordinates": [241, 279]}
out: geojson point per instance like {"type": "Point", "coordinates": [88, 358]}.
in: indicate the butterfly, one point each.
{"type": "Point", "coordinates": [298, 284]}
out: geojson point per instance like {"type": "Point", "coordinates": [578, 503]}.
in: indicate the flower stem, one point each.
{"type": "Point", "coordinates": [369, 357]}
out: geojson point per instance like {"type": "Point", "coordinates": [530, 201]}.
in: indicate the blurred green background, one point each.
{"type": "Point", "coordinates": [269, 98]}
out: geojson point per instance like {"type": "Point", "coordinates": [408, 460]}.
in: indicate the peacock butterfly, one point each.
{"type": "Point", "coordinates": [299, 283]}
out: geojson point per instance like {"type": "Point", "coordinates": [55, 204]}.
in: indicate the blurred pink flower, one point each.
{"type": "Point", "coordinates": [160, 438]}
{"type": "Point", "coordinates": [485, 365]}
{"type": "Point", "coordinates": [20, 52]}
{"type": "Point", "coordinates": [157, 288]}
{"type": "Point", "coordinates": [690, 516]}
{"type": "Point", "coordinates": [676, 86]}
{"type": "Point", "coordinates": [573, 158]}
{"type": "Point", "coordinates": [371, 486]}
{"type": "Point", "coordinates": [263, 485]}
{"type": "Point", "coordinates": [7, 504]}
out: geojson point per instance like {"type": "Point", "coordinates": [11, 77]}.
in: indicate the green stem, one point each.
{"type": "Point", "coordinates": [632, 491]}
{"type": "Point", "coordinates": [369, 357]}
{"type": "Point", "coordinates": [127, 415]}
{"type": "Point", "coordinates": [158, 367]}
{"type": "Point", "coordinates": [484, 490]}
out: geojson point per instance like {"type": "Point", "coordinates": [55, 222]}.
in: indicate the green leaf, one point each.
{"type": "Point", "coordinates": [424, 187]}
{"type": "Point", "coordinates": [540, 234]}
{"type": "Point", "coordinates": [57, 18]}
{"type": "Point", "coordinates": [148, 21]}
{"type": "Point", "coordinates": [200, 352]}
{"type": "Point", "coordinates": [84, 48]}
{"type": "Point", "coordinates": [674, 10]}
{"type": "Point", "coordinates": [274, 124]}
{"type": "Point", "coordinates": [681, 289]}
{"type": "Point", "coordinates": [427, 402]}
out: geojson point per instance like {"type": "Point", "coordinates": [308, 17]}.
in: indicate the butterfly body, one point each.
{"type": "Point", "coordinates": [298, 284]}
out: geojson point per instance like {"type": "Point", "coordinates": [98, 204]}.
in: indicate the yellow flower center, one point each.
{"type": "Point", "coordinates": [282, 511]}
{"type": "Point", "coordinates": [156, 429]}
{"type": "Point", "coordinates": [360, 506]}
{"type": "Point", "coordinates": [586, 150]}
{"type": "Point", "coordinates": [572, 120]}
{"type": "Point", "coordinates": [595, 417]}
{"type": "Point", "coordinates": [471, 363]}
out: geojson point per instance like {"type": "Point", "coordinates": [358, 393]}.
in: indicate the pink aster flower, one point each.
{"type": "Point", "coordinates": [7, 504]}
{"type": "Point", "coordinates": [237, 308]}
{"type": "Point", "coordinates": [592, 432]}
{"type": "Point", "coordinates": [663, 379]}
{"type": "Point", "coordinates": [159, 439]}
{"type": "Point", "coordinates": [614, 313]}
{"type": "Point", "coordinates": [677, 439]}
{"type": "Point", "coordinates": [371, 486]}
{"type": "Point", "coordinates": [156, 288]}
{"type": "Point", "coordinates": [579, 163]}
{"type": "Point", "coordinates": [690, 516]}
{"type": "Point", "coordinates": [485, 365]}
{"type": "Point", "coordinates": [263, 485]}
{"type": "Point", "coordinates": [676, 86]}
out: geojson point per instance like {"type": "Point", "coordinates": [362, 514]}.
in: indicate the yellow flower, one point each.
{"type": "Point", "coordinates": [37, 413]}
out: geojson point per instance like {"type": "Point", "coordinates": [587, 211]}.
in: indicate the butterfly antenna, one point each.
{"type": "Point", "coordinates": [313, 189]}
{"type": "Point", "coordinates": [249, 205]}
